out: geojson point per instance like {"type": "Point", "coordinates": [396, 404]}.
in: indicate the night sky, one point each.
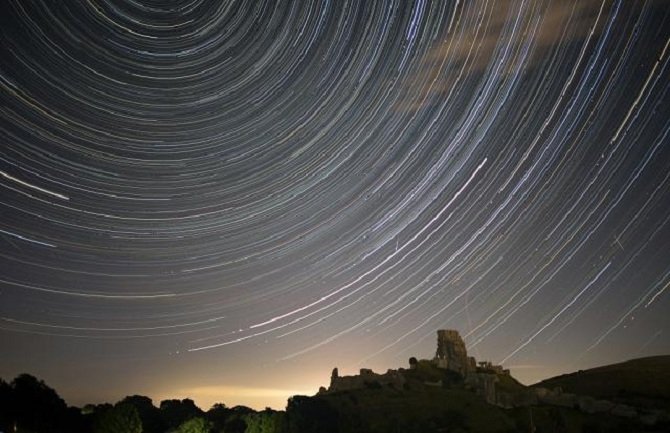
{"type": "Point", "coordinates": [225, 200]}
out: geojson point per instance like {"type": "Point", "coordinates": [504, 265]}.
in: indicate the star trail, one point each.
{"type": "Point", "coordinates": [238, 196]}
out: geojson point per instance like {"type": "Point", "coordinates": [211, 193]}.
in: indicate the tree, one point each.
{"type": "Point", "coordinates": [150, 416]}
{"type": "Point", "coordinates": [235, 424]}
{"type": "Point", "coordinates": [218, 415]}
{"type": "Point", "coordinates": [195, 425]}
{"type": "Point", "coordinates": [122, 418]}
{"type": "Point", "coordinates": [311, 415]}
{"type": "Point", "coordinates": [236, 419]}
{"type": "Point", "coordinates": [6, 409]}
{"type": "Point", "coordinates": [267, 421]}
{"type": "Point", "coordinates": [36, 407]}
{"type": "Point", "coordinates": [176, 412]}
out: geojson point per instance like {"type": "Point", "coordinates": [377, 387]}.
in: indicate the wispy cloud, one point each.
{"type": "Point", "coordinates": [504, 36]}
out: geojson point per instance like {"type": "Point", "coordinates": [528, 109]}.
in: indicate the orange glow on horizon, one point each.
{"type": "Point", "coordinates": [257, 398]}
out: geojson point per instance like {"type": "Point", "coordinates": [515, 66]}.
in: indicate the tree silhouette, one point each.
{"type": "Point", "coordinates": [218, 415]}
{"type": "Point", "coordinates": [150, 415]}
{"type": "Point", "coordinates": [195, 425]}
{"type": "Point", "coordinates": [122, 418]}
{"type": "Point", "coordinates": [235, 424]}
{"type": "Point", "coordinates": [36, 407]}
{"type": "Point", "coordinates": [175, 412]}
{"type": "Point", "coordinates": [311, 415]}
{"type": "Point", "coordinates": [266, 421]}
{"type": "Point", "coordinates": [6, 402]}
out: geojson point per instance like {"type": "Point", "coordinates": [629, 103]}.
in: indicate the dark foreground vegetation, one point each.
{"type": "Point", "coordinates": [28, 405]}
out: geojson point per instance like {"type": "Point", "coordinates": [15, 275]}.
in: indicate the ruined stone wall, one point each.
{"type": "Point", "coordinates": [367, 378]}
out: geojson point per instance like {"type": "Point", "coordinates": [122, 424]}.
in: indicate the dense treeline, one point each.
{"type": "Point", "coordinates": [28, 405]}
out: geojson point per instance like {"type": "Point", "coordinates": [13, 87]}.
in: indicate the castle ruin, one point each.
{"type": "Point", "coordinates": [481, 378]}
{"type": "Point", "coordinates": [451, 353]}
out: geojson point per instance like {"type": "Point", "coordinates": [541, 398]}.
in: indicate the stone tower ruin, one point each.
{"type": "Point", "coordinates": [451, 353]}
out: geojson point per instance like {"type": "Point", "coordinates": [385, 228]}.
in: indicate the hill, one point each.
{"type": "Point", "coordinates": [643, 382]}
{"type": "Point", "coordinates": [454, 392]}
{"type": "Point", "coordinates": [433, 400]}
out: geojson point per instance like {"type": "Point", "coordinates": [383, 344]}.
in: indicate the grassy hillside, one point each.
{"type": "Point", "coordinates": [434, 410]}
{"type": "Point", "coordinates": [435, 400]}
{"type": "Point", "coordinates": [387, 410]}
{"type": "Point", "coordinates": [643, 382]}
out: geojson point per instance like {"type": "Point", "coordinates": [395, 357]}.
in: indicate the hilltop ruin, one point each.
{"type": "Point", "coordinates": [452, 367]}
{"type": "Point", "coordinates": [451, 355]}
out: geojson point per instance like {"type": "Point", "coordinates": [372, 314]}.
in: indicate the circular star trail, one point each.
{"type": "Point", "coordinates": [215, 188]}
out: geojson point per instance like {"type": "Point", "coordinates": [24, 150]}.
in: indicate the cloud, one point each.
{"type": "Point", "coordinates": [500, 36]}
